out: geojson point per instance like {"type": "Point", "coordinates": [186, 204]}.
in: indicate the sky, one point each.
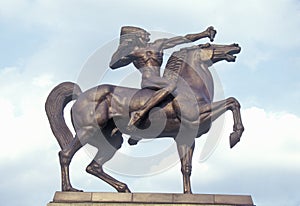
{"type": "Point", "coordinates": [44, 43]}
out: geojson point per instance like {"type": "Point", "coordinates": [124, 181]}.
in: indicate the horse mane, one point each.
{"type": "Point", "coordinates": [175, 64]}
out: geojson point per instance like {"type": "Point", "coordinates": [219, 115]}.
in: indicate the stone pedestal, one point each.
{"type": "Point", "coordinates": [145, 199]}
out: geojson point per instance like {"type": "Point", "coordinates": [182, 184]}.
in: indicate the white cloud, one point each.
{"type": "Point", "coordinates": [22, 132]}
{"type": "Point", "coordinates": [24, 126]}
{"type": "Point", "coordinates": [43, 80]}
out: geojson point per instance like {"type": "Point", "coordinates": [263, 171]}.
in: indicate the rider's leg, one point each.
{"type": "Point", "coordinates": [157, 82]}
{"type": "Point", "coordinates": [154, 100]}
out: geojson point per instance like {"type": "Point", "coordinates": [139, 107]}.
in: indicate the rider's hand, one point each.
{"type": "Point", "coordinates": [211, 32]}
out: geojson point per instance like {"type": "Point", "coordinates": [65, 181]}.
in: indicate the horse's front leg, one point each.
{"type": "Point", "coordinates": [185, 152]}
{"type": "Point", "coordinates": [216, 109]}
{"type": "Point", "coordinates": [238, 127]}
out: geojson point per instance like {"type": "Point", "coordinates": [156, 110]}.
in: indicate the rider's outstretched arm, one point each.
{"type": "Point", "coordinates": [210, 32]}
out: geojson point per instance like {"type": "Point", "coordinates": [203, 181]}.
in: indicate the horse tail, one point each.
{"type": "Point", "coordinates": [58, 98]}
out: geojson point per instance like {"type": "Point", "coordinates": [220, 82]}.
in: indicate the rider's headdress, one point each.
{"type": "Point", "coordinates": [128, 37]}
{"type": "Point", "coordinates": [132, 30]}
{"type": "Point", "coordinates": [129, 32]}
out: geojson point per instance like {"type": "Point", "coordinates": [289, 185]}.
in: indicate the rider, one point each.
{"type": "Point", "coordinates": [147, 58]}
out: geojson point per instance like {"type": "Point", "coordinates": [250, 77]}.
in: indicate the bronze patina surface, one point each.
{"type": "Point", "coordinates": [184, 94]}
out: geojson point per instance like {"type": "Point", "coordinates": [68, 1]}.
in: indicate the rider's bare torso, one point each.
{"type": "Point", "coordinates": [148, 61]}
{"type": "Point", "coordinates": [148, 57]}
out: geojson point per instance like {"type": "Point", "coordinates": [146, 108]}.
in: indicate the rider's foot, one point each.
{"type": "Point", "coordinates": [114, 131]}
{"type": "Point", "coordinates": [135, 117]}
{"type": "Point", "coordinates": [211, 33]}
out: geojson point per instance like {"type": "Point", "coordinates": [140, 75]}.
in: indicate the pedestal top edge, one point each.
{"type": "Point", "coordinates": [152, 197]}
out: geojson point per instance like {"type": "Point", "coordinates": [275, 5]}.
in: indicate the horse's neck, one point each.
{"type": "Point", "coordinates": [197, 75]}
{"type": "Point", "coordinates": [186, 65]}
{"type": "Point", "coordinates": [206, 77]}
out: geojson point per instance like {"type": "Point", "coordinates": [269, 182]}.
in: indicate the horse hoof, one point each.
{"type": "Point", "coordinates": [234, 138]}
{"type": "Point", "coordinates": [71, 189]}
{"type": "Point", "coordinates": [132, 141]}
{"type": "Point", "coordinates": [123, 189]}
{"type": "Point", "coordinates": [127, 190]}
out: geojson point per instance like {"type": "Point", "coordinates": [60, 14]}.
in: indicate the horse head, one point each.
{"type": "Point", "coordinates": [212, 53]}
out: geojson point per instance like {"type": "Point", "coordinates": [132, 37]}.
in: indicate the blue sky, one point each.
{"type": "Point", "coordinates": [46, 42]}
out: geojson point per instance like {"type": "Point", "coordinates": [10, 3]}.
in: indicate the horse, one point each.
{"type": "Point", "coordinates": [100, 114]}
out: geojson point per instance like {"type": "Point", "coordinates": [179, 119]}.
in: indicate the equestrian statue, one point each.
{"type": "Point", "coordinates": [178, 105]}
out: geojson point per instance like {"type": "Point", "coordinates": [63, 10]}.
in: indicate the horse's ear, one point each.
{"type": "Point", "coordinates": [206, 54]}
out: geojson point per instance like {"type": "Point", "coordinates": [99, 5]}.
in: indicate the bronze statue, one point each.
{"type": "Point", "coordinates": [101, 114]}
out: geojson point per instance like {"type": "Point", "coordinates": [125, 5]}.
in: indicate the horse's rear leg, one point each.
{"type": "Point", "coordinates": [185, 152]}
{"type": "Point", "coordinates": [66, 155]}
{"type": "Point", "coordinates": [96, 168]}
{"type": "Point", "coordinates": [106, 150]}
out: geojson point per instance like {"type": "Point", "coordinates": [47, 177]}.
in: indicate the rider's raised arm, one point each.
{"type": "Point", "coordinates": [119, 60]}
{"type": "Point", "coordinates": [209, 32]}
